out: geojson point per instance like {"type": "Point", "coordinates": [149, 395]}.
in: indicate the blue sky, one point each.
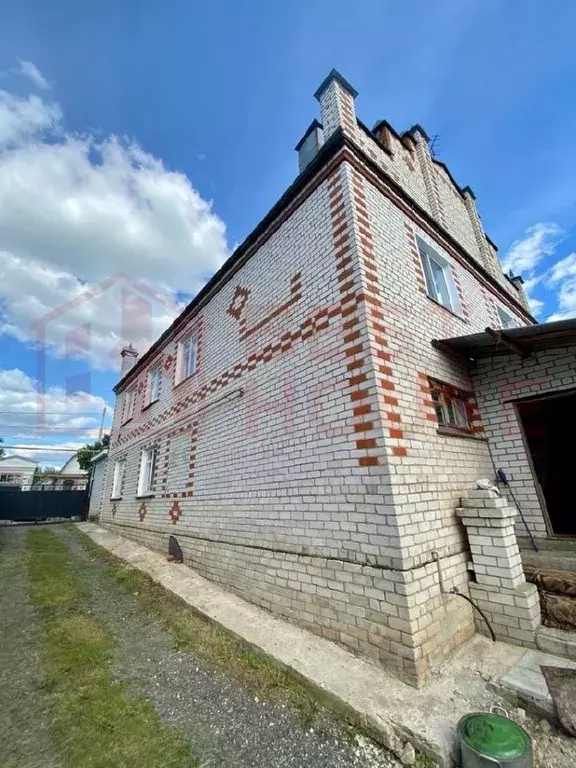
{"type": "Point", "coordinates": [208, 100]}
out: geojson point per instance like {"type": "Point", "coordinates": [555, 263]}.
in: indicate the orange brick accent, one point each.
{"type": "Point", "coordinates": [175, 513]}
{"type": "Point", "coordinates": [373, 307]}
{"type": "Point", "coordinates": [343, 235]}
{"type": "Point", "coordinates": [429, 411]}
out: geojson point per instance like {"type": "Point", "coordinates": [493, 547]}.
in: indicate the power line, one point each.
{"type": "Point", "coordinates": [46, 428]}
{"type": "Point", "coordinates": [56, 413]}
{"type": "Point", "coordinates": [48, 448]}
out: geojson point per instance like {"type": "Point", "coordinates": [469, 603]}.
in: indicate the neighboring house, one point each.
{"type": "Point", "coordinates": [97, 476]}
{"type": "Point", "coordinates": [309, 424]}
{"type": "Point", "coordinates": [71, 477]}
{"type": "Point", "coordinates": [16, 472]}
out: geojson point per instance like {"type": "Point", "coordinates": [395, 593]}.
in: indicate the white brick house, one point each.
{"type": "Point", "coordinates": [296, 428]}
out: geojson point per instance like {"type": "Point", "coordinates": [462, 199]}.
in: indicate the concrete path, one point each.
{"type": "Point", "coordinates": [525, 679]}
{"type": "Point", "coordinates": [393, 712]}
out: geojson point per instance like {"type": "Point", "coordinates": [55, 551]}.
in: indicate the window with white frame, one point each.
{"type": "Point", "coordinates": [506, 319]}
{"type": "Point", "coordinates": [450, 405]}
{"type": "Point", "coordinates": [147, 466]}
{"type": "Point", "coordinates": [129, 402]}
{"type": "Point", "coordinates": [153, 385]}
{"type": "Point", "coordinates": [440, 283]}
{"type": "Point", "coordinates": [187, 356]}
{"type": "Point", "coordinates": [118, 481]}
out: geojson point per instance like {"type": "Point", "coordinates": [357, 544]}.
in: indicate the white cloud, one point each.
{"type": "Point", "coordinates": [49, 419]}
{"type": "Point", "coordinates": [22, 119]}
{"type": "Point", "coordinates": [562, 277]}
{"type": "Point", "coordinates": [526, 253]}
{"type": "Point", "coordinates": [536, 305]}
{"type": "Point", "coordinates": [31, 71]}
{"type": "Point", "coordinates": [75, 211]}
{"type": "Point", "coordinates": [565, 268]}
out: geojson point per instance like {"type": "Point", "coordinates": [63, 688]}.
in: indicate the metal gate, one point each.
{"type": "Point", "coordinates": [32, 506]}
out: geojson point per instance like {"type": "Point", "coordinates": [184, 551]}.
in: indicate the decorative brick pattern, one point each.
{"type": "Point", "coordinates": [299, 461]}
{"type": "Point", "coordinates": [175, 513]}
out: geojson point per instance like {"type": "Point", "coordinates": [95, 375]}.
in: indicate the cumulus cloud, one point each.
{"type": "Point", "coordinates": [23, 120]}
{"type": "Point", "coordinates": [526, 253]}
{"type": "Point", "coordinates": [31, 71]}
{"type": "Point", "coordinates": [74, 212]}
{"type": "Point", "coordinates": [562, 278]}
{"type": "Point", "coordinates": [31, 417]}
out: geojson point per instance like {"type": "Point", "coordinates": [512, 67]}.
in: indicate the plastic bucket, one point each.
{"type": "Point", "coordinates": [488, 739]}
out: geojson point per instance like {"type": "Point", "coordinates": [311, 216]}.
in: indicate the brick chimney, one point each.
{"type": "Point", "coordinates": [129, 357]}
{"type": "Point", "coordinates": [336, 97]}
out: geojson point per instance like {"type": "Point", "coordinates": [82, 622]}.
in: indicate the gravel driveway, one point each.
{"type": "Point", "coordinates": [226, 724]}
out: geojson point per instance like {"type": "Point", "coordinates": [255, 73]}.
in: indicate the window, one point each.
{"type": "Point", "coordinates": [153, 385]}
{"type": "Point", "coordinates": [451, 406]}
{"type": "Point", "coordinates": [146, 479]}
{"type": "Point", "coordinates": [506, 319]}
{"type": "Point", "coordinates": [439, 279]}
{"type": "Point", "coordinates": [129, 402]}
{"type": "Point", "coordinates": [118, 482]}
{"type": "Point", "coordinates": [10, 479]}
{"type": "Point", "coordinates": [187, 353]}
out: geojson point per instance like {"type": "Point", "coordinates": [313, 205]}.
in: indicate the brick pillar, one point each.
{"type": "Point", "coordinates": [424, 158]}
{"type": "Point", "coordinates": [500, 590]}
{"type": "Point", "coordinates": [336, 97]}
{"type": "Point", "coordinates": [518, 283]}
{"type": "Point", "coordinates": [489, 258]}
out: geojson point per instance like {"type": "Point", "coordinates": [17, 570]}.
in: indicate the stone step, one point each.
{"type": "Point", "coordinates": [557, 642]}
{"type": "Point", "coordinates": [525, 685]}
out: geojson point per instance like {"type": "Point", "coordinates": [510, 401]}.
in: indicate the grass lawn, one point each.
{"type": "Point", "coordinates": [100, 667]}
{"type": "Point", "coordinates": [96, 725]}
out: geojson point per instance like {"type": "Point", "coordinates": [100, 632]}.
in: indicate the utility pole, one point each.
{"type": "Point", "coordinates": [102, 423]}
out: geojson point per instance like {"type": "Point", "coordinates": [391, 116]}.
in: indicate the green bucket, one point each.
{"type": "Point", "coordinates": [488, 740]}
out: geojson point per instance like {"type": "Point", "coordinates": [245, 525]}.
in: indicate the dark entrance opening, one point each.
{"type": "Point", "coordinates": [550, 429]}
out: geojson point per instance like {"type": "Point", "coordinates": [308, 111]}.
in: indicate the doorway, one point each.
{"type": "Point", "coordinates": [550, 429]}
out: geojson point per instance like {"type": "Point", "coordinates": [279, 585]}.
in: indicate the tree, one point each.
{"type": "Point", "coordinates": [43, 474]}
{"type": "Point", "coordinates": [1, 449]}
{"type": "Point", "coordinates": [86, 454]}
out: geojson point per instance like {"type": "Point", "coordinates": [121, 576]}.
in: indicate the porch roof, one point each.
{"type": "Point", "coordinates": [520, 341]}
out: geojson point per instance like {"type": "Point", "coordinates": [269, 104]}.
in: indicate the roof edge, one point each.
{"type": "Point", "coordinates": [335, 75]}
{"type": "Point", "coordinates": [325, 153]}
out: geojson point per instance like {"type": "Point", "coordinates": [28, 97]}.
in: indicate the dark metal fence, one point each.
{"type": "Point", "coordinates": [36, 505]}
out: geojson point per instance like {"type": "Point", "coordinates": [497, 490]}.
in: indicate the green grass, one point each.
{"type": "Point", "coordinates": [209, 642]}
{"type": "Point", "coordinates": [96, 724]}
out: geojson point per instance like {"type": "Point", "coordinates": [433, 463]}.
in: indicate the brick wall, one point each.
{"type": "Point", "coordinates": [97, 487]}
{"type": "Point", "coordinates": [498, 381]}
{"type": "Point", "coordinates": [301, 465]}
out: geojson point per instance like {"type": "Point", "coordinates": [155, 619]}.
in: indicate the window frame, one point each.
{"type": "Point", "coordinates": [429, 254]}
{"type": "Point", "coordinates": [118, 479]}
{"type": "Point", "coordinates": [153, 371]}
{"type": "Point", "coordinates": [453, 404]}
{"type": "Point", "coordinates": [508, 323]}
{"type": "Point", "coordinates": [181, 344]}
{"type": "Point", "coordinates": [128, 406]}
{"type": "Point", "coordinates": [145, 474]}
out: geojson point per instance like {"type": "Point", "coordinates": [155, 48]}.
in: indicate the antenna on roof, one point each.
{"type": "Point", "coordinates": [434, 143]}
